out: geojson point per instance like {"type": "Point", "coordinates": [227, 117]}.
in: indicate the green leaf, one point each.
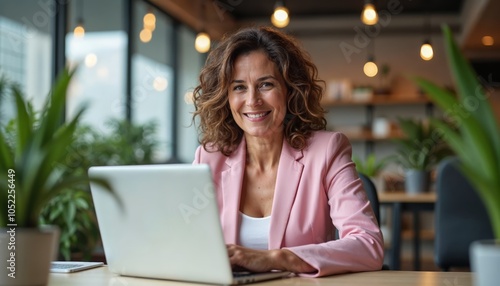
{"type": "Point", "coordinates": [470, 89]}
{"type": "Point", "coordinates": [24, 122]}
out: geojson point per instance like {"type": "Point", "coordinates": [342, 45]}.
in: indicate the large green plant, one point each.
{"type": "Point", "coordinates": [32, 158]}
{"type": "Point", "coordinates": [422, 147]}
{"type": "Point", "coordinates": [39, 148]}
{"type": "Point", "coordinates": [476, 139]}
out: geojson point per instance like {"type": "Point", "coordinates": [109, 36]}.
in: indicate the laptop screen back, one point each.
{"type": "Point", "coordinates": [164, 224]}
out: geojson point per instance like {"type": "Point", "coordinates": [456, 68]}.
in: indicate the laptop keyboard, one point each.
{"type": "Point", "coordinates": [241, 273]}
{"type": "Point", "coordinates": [65, 266]}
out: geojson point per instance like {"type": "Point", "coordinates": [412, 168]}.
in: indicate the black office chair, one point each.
{"type": "Point", "coordinates": [460, 217]}
{"type": "Point", "coordinates": [371, 192]}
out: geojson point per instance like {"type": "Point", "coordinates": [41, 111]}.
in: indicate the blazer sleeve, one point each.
{"type": "Point", "coordinates": [360, 243]}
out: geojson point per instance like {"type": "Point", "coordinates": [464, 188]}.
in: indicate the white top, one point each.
{"type": "Point", "coordinates": [254, 231]}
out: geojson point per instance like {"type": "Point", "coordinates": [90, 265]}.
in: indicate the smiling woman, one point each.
{"type": "Point", "coordinates": [257, 96]}
{"type": "Point", "coordinates": [283, 184]}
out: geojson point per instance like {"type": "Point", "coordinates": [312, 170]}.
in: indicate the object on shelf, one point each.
{"type": "Point", "coordinates": [362, 94]}
{"type": "Point", "coordinates": [385, 88]}
{"type": "Point", "coordinates": [381, 127]}
{"type": "Point", "coordinates": [339, 90]}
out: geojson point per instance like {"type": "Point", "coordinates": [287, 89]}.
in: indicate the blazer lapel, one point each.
{"type": "Point", "coordinates": [287, 182]}
{"type": "Point", "coordinates": [232, 181]}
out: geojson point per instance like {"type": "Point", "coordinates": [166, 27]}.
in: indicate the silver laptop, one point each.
{"type": "Point", "coordinates": [164, 223]}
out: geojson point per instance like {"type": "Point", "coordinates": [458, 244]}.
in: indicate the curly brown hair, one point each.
{"type": "Point", "coordinates": [305, 114]}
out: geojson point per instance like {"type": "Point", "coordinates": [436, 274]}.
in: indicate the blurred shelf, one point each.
{"type": "Point", "coordinates": [382, 100]}
{"type": "Point", "coordinates": [367, 135]}
{"type": "Point", "coordinates": [425, 234]}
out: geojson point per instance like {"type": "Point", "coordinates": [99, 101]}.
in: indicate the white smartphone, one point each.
{"type": "Point", "coordinates": [72, 266]}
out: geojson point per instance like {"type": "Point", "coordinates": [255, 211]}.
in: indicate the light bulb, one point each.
{"type": "Point", "coordinates": [90, 60]}
{"type": "Point", "coordinates": [202, 42]}
{"type": "Point", "coordinates": [426, 52]}
{"type": "Point", "coordinates": [370, 68]}
{"type": "Point", "coordinates": [79, 30]}
{"type": "Point", "coordinates": [488, 40]}
{"type": "Point", "coordinates": [160, 83]}
{"type": "Point", "coordinates": [145, 35]}
{"type": "Point", "coordinates": [280, 17]}
{"type": "Point", "coordinates": [149, 21]}
{"type": "Point", "coordinates": [369, 15]}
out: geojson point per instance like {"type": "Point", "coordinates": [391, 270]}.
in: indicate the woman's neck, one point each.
{"type": "Point", "coordinates": [264, 154]}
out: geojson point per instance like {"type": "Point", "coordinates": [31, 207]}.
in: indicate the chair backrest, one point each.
{"type": "Point", "coordinates": [460, 217]}
{"type": "Point", "coordinates": [371, 192]}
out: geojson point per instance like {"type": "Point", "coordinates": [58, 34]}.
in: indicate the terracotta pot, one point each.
{"type": "Point", "coordinates": [26, 254]}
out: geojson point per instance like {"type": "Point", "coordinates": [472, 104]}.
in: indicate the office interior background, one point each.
{"type": "Point", "coordinates": [125, 77]}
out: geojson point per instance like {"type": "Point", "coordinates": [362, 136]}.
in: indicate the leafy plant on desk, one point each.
{"type": "Point", "coordinates": [36, 153]}
{"type": "Point", "coordinates": [476, 139]}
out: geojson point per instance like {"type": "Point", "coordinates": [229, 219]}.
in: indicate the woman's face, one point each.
{"type": "Point", "coordinates": [257, 95]}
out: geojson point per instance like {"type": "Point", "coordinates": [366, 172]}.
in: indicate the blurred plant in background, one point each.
{"type": "Point", "coordinates": [371, 166]}
{"type": "Point", "coordinates": [72, 210]}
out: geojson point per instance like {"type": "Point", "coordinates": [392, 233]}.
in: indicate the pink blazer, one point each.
{"type": "Point", "coordinates": [316, 189]}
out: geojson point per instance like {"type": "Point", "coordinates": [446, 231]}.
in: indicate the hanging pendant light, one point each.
{"type": "Point", "coordinates": [280, 17]}
{"type": "Point", "coordinates": [79, 31]}
{"type": "Point", "coordinates": [369, 15]}
{"type": "Point", "coordinates": [149, 25]}
{"type": "Point", "coordinates": [202, 42]}
{"type": "Point", "coordinates": [370, 68]}
{"type": "Point", "coordinates": [426, 51]}
{"type": "Point", "coordinates": [149, 20]}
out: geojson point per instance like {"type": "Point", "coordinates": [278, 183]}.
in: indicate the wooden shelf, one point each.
{"type": "Point", "coordinates": [378, 101]}
{"type": "Point", "coordinates": [425, 234]}
{"type": "Point", "coordinates": [367, 135]}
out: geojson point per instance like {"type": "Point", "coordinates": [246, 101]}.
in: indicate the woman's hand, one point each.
{"type": "Point", "coordinates": [266, 260]}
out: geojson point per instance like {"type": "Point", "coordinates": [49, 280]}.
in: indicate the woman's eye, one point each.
{"type": "Point", "coordinates": [266, 85]}
{"type": "Point", "coordinates": [238, 88]}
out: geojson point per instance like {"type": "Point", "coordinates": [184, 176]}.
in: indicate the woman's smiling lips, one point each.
{"type": "Point", "coordinates": [257, 116]}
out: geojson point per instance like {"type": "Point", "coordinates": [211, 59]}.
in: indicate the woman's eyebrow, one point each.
{"type": "Point", "coordinates": [266, 78]}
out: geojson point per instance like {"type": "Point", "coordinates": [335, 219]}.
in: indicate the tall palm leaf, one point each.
{"type": "Point", "coordinates": [476, 140]}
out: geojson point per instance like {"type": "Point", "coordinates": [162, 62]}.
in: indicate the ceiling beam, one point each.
{"type": "Point", "coordinates": [217, 21]}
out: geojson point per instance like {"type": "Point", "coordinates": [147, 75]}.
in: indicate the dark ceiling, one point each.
{"type": "Point", "coordinates": [244, 10]}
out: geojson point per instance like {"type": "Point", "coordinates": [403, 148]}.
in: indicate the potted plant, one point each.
{"type": "Point", "coordinates": [418, 152]}
{"type": "Point", "coordinates": [30, 177]}
{"type": "Point", "coordinates": [476, 142]}
{"type": "Point", "coordinates": [372, 167]}
{"type": "Point", "coordinates": [384, 88]}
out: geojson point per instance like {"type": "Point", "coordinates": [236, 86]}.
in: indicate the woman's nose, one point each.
{"type": "Point", "coordinates": [254, 99]}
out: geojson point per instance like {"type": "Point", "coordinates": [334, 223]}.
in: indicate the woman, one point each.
{"type": "Point", "coordinates": [283, 184]}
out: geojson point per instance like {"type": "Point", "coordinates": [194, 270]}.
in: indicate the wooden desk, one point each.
{"type": "Point", "coordinates": [401, 201]}
{"type": "Point", "coordinates": [102, 277]}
